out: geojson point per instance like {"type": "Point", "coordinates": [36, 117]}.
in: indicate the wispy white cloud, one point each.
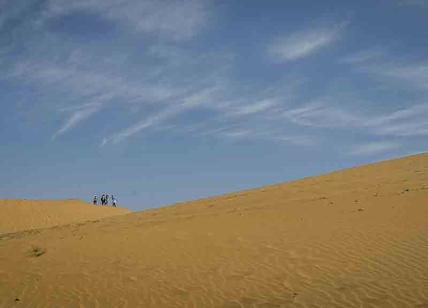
{"type": "Point", "coordinates": [374, 148]}
{"type": "Point", "coordinates": [419, 3]}
{"type": "Point", "coordinates": [261, 130]}
{"type": "Point", "coordinates": [320, 114]}
{"type": "Point", "coordinates": [252, 108]}
{"type": "Point", "coordinates": [78, 116]}
{"type": "Point", "coordinates": [414, 127]}
{"type": "Point", "coordinates": [92, 88]}
{"type": "Point", "coordinates": [380, 64]}
{"type": "Point", "coordinates": [394, 72]}
{"type": "Point", "coordinates": [167, 81]}
{"type": "Point", "coordinates": [364, 56]}
{"type": "Point", "coordinates": [194, 100]}
{"type": "Point", "coordinates": [178, 20]}
{"type": "Point", "coordinates": [146, 123]}
{"type": "Point", "coordinates": [237, 133]}
{"type": "Point", "coordinates": [300, 140]}
{"type": "Point", "coordinates": [266, 134]}
{"type": "Point", "coordinates": [301, 44]}
{"type": "Point", "coordinates": [409, 121]}
{"type": "Point", "coordinates": [86, 90]}
{"type": "Point", "coordinates": [165, 84]}
{"type": "Point", "coordinates": [411, 112]}
{"type": "Point", "coordinates": [414, 74]}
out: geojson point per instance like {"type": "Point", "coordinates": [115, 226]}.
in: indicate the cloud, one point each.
{"type": "Point", "coordinates": [405, 122]}
{"type": "Point", "coordinates": [254, 108]}
{"type": "Point", "coordinates": [411, 112]}
{"type": "Point", "coordinates": [95, 88]}
{"type": "Point", "coordinates": [415, 74]}
{"type": "Point", "coordinates": [420, 3]}
{"type": "Point", "coordinates": [78, 116]}
{"type": "Point", "coordinates": [300, 140]}
{"type": "Point", "coordinates": [164, 85]}
{"type": "Point", "coordinates": [364, 56]}
{"type": "Point", "coordinates": [250, 129]}
{"type": "Point", "coordinates": [237, 134]}
{"type": "Point", "coordinates": [173, 19]}
{"type": "Point", "coordinates": [168, 84]}
{"type": "Point", "coordinates": [87, 85]}
{"type": "Point", "coordinates": [266, 134]}
{"type": "Point", "coordinates": [320, 114]}
{"type": "Point", "coordinates": [374, 148]}
{"type": "Point", "coordinates": [132, 130]}
{"type": "Point", "coordinates": [301, 44]}
{"type": "Point", "coordinates": [416, 128]}
{"type": "Point", "coordinates": [194, 100]}
{"type": "Point", "coordinates": [379, 64]}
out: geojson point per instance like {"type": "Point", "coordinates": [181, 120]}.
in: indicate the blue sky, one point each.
{"type": "Point", "coordinates": [165, 101]}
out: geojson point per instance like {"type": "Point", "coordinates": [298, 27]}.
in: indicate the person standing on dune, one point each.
{"type": "Point", "coordinates": [106, 199]}
{"type": "Point", "coordinates": [113, 201]}
{"type": "Point", "coordinates": [95, 200]}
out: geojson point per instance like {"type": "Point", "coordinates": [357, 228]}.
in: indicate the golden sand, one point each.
{"type": "Point", "coordinates": [354, 238]}
{"type": "Point", "coordinates": [19, 215]}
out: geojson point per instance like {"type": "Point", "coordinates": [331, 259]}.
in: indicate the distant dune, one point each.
{"type": "Point", "coordinates": [19, 215]}
{"type": "Point", "coordinates": [354, 238]}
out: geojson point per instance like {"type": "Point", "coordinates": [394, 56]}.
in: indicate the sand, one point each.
{"type": "Point", "coordinates": [354, 238]}
{"type": "Point", "coordinates": [19, 215]}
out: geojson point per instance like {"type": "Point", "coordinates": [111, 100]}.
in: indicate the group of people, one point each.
{"type": "Point", "coordinates": [105, 199]}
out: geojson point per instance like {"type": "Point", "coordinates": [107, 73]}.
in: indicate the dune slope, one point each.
{"type": "Point", "coordinates": [354, 238]}
{"type": "Point", "coordinates": [19, 215]}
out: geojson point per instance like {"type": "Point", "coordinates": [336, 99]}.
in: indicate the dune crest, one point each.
{"type": "Point", "coordinates": [20, 215]}
{"type": "Point", "coordinates": [353, 238]}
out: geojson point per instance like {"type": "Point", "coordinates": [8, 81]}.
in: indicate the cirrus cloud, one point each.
{"type": "Point", "coordinates": [298, 45]}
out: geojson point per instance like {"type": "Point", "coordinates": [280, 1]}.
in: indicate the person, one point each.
{"type": "Point", "coordinates": [113, 200]}
{"type": "Point", "coordinates": [95, 200]}
{"type": "Point", "coordinates": [103, 199]}
{"type": "Point", "coordinates": [106, 200]}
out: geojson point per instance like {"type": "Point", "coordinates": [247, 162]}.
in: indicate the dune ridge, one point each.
{"type": "Point", "coordinates": [20, 215]}
{"type": "Point", "coordinates": [352, 238]}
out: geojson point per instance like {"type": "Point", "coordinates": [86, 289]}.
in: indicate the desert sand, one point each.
{"type": "Point", "coordinates": [353, 238]}
{"type": "Point", "coordinates": [19, 215]}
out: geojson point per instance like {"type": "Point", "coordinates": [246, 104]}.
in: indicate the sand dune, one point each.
{"type": "Point", "coordinates": [19, 215]}
{"type": "Point", "coordinates": [354, 238]}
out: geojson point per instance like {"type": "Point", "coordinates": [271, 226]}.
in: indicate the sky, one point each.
{"type": "Point", "coordinates": [160, 102]}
